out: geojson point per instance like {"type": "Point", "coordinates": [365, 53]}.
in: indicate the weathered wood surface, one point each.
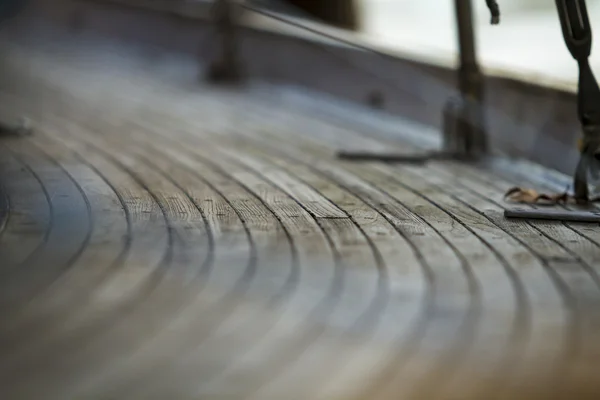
{"type": "Point", "coordinates": [166, 239]}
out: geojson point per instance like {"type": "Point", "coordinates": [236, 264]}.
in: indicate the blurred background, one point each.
{"type": "Point", "coordinates": [528, 42]}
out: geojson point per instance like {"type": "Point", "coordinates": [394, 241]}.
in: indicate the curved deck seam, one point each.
{"type": "Point", "coordinates": [71, 258]}
{"type": "Point", "coordinates": [210, 256]}
{"type": "Point", "coordinates": [428, 301]}
{"type": "Point", "coordinates": [360, 196]}
{"type": "Point", "coordinates": [239, 287]}
{"type": "Point", "coordinates": [74, 257]}
{"type": "Point", "coordinates": [517, 285]}
{"type": "Point", "coordinates": [515, 268]}
{"type": "Point", "coordinates": [569, 302]}
{"type": "Point", "coordinates": [328, 119]}
{"type": "Point", "coordinates": [379, 261]}
{"type": "Point", "coordinates": [285, 291]}
{"type": "Point", "coordinates": [523, 309]}
{"type": "Point", "coordinates": [325, 305]}
{"type": "Point", "coordinates": [560, 285]}
{"type": "Point", "coordinates": [594, 275]}
{"type": "Point", "coordinates": [252, 258]}
{"type": "Point", "coordinates": [50, 210]}
{"type": "Point", "coordinates": [119, 259]}
{"type": "Point", "coordinates": [521, 296]}
{"type": "Point", "coordinates": [416, 335]}
{"type": "Point", "coordinates": [209, 162]}
{"type": "Point", "coordinates": [207, 263]}
{"type": "Point", "coordinates": [442, 236]}
{"type": "Point", "coordinates": [295, 274]}
{"type": "Point", "coordinates": [104, 323]}
{"type": "Point", "coordinates": [473, 311]}
{"type": "Point", "coordinates": [381, 299]}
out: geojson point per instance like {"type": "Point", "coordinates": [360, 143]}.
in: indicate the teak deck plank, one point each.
{"type": "Point", "coordinates": [165, 239]}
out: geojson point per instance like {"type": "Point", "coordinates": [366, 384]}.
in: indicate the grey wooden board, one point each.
{"type": "Point", "coordinates": [166, 239]}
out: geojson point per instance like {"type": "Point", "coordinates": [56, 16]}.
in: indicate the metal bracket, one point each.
{"type": "Point", "coordinates": [577, 34]}
{"type": "Point", "coordinates": [227, 67]}
{"type": "Point", "coordinates": [23, 127]}
{"type": "Point", "coordinates": [463, 125]}
{"type": "Point", "coordinates": [554, 214]}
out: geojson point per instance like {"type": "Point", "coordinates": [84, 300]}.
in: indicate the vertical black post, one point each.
{"type": "Point", "coordinates": [577, 33]}
{"type": "Point", "coordinates": [464, 121]}
{"type": "Point", "coordinates": [469, 74]}
{"type": "Point", "coordinates": [226, 68]}
{"type": "Point", "coordinates": [463, 125]}
{"type": "Point", "coordinates": [10, 9]}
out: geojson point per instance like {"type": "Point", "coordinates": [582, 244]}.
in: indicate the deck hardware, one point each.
{"type": "Point", "coordinates": [226, 68]}
{"type": "Point", "coordinates": [554, 214]}
{"type": "Point", "coordinates": [463, 124]}
{"type": "Point", "coordinates": [577, 32]}
{"type": "Point", "coordinates": [406, 158]}
{"type": "Point", "coordinates": [22, 127]}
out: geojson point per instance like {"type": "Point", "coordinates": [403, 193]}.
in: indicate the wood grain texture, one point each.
{"type": "Point", "coordinates": [170, 240]}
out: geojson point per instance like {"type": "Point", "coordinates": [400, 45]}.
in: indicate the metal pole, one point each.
{"type": "Point", "coordinates": [226, 68]}
{"type": "Point", "coordinates": [577, 33]}
{"type": "Point", "coordinates": [464, 121]}
{"type": "Point", "coordinates": [469, 74]}
{"type": "Point", "coordinates": [463, 125]}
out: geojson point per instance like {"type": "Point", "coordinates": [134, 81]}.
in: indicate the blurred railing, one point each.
{"type": "Point", "coordinates": [525, 119]}
{"type": "Point", "coordinates": [200, 9]}
{"type": "Point", "coordinates": [464, 126]}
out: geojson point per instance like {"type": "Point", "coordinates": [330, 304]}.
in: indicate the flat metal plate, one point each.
{"type": "Point", "coordinates": [554, 214]}
{"type": "Point", "coordinates": [410, 158]}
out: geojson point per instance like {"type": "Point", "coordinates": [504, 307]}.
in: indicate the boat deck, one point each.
{"type": "Point", "coordinates": [165, 239]}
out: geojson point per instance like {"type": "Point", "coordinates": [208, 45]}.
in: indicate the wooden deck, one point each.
{"type": "Point", "coordinates": [161, 239]}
